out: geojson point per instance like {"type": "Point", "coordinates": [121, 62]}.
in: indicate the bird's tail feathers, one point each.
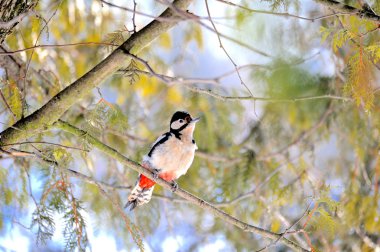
{"type": "Point", "coordinates": [139, 196]}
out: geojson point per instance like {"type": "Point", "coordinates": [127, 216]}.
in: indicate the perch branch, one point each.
{"type": "Point", "coordinates": [180, 192]}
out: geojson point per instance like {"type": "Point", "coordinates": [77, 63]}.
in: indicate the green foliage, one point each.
{"type": "Point", "coordinates": [13, 98]}
{"type": "Point", "coordinates": [43, 220]}
{"type": "Point", "coordinates": [116, 38]}
{"type": "Point", "coordinates": [374, 52]}
{"type": "Point", "coordinates": [278, 4]}
{"type": "Point", "coordinates": [340, 38]}
{"type": "Point", "coordinates": [75, 228]}
{"type": "Point", "coordinates": [323, 222]}
{"type": "Point", "coordinates": [360, 81]}
{"type": "Point", "coordinates": [105, 115]}
{"type": "Point", "coordinates": [360, 63]}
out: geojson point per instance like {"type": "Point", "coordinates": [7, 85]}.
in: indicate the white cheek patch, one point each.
{"type": "Point", "coordinates": [176, 125]}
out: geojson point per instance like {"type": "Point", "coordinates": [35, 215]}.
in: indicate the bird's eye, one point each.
{"type": "Point", "coordinates": [180, 121]}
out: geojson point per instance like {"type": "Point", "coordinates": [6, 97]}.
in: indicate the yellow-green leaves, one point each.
{"type": "Point", "coordinates": [13, 98]}
{"type": "Point", "coordinates": [361, 55]}
{"type": "Point", "coordinates": [360, 78]}
{"type": "Point", "coordinates": [340, 38]}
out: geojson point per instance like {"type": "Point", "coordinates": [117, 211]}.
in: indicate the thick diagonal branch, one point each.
{"type": "Point", "coordinates": [55, 107]}
{"type": "Point", "coordinates": [180, 192]}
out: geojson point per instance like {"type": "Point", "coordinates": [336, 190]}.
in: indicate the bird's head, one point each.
{"type": "Point", "coordinates": [182, 123]}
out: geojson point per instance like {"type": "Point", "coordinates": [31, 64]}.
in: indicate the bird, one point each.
{"type": "Point", "coordinates": [170, 156]}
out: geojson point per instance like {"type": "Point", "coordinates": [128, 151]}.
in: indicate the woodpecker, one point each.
{"type": "Point", "coordinates": [169, 158]}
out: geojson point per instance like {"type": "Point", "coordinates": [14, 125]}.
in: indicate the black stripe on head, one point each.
{"type": "Point", "coordinates": [179, 115]}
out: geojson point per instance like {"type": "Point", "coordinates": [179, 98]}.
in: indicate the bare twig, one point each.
{"type": "Point", "coordinates": [285, 14]}
{"type": "Point", "coordinates": [214, 80]}
{"type": "Point", "coordinates": [7, 105]}
{"type": "Point", "coordinates": [134, 16]}
{"type": "Point", "coordinates": [274, 242]}
{"type": "Point", "coordinates": [188, 15]}
{"type": "Point", "coordinates": [125, 135]}
{"type": "Point", "coordinates": [30, 59]}
{"type": "Point", "coordinates": [30, 186]}
{"type": "Point", "coordinates": [119, 209]}
{"type": "Point", "coordinates": [304, 134]}
{"type": "Point", "coordinates": [57, 46]}
{"type": "Point", "coordinates": [258, 187]}
{"type": "Point", "coordinates": [41, 142]}
{"type": "Point", "coordinates": [254, 98]}
{"type": "Point", "coordinates": [225, 51]}
{"type": "Point", "coordinates": [171, 80]}
{"type": "Point", "coordinates": [162, 19]}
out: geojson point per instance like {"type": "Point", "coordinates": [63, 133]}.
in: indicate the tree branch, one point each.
{"type": "Point", "coordinates": [55, 107]}
{"type": "Point", "coordinates": [284, 14]}
{"type": "Point", "coordinates": [180, 192]}
{"type": "Point", "coordinates": [362, 13]}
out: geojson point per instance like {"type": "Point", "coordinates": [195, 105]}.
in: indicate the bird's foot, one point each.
{"type": "Point", "coordinates": [155, 174]}
{"type": "Point", "coordinates": [174, 186]}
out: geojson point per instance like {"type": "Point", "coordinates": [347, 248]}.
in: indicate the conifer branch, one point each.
{"type": "Point", "coordinates": [180, 192]}
{"type": "Point", "coordinates": [364, 12]}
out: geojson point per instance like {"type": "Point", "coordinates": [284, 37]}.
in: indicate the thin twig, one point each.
{"type": "Point", "coordinates": [95, 182]}
{"type": "Point", "coordinates": [134, 16]}
{"type": "Point", "coordinates": [57, 46]}
{"type": "Point", "coordinates": [225, 51]}
{"type": "Point", "coordinates": [145, 63]}
{"type": "Point", "coordinates": [274, 242]}
{"type": "Point", "coordinates": [162, 19]}
{"type": "Point", "coordinates": [30, 186]}
{"type": "Point", "coordinates": [254, 98]}
{"type": "Point", "coordinates": [304, 134]}
{"type": "Point", "coordinates": [284, 14]}
{"type": "Point", "coordinates": [120, 210]}
{"type": "Point", "coordinates": [7, 105]}
{"type": "Point", "coordinates": [23, 105]}
{"type": "Point", "coordinates": [258, 187]}
{"type": "Point", "coordinates": [42, 142]}
{"type": "Point", "coordinates": [214, 80]}
{"type": "Point", "coordinates": [170, 80]}
{"type": "Point", "coordinates": [188, 15]}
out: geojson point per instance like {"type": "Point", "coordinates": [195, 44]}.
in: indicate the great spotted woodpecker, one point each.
{"type": "Point", "coordinates": [169, 158]}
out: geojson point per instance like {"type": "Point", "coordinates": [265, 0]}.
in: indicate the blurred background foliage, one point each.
{"type": "Point", "coordinates": [261, 161]}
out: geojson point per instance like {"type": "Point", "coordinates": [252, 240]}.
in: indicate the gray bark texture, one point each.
{"type": "Point", "coordinates": [10, 10]}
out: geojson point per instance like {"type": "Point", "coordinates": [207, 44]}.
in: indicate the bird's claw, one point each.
{"type": "Point", "coordinates": [155, 174]}
{"type": "Point", "coordinates": [174, 186]}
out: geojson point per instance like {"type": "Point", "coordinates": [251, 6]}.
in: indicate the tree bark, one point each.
{"type": "Point", "coordinates": [11, 13]}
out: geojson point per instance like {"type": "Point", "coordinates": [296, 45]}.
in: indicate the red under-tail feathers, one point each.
{"type": "Point", "coordinates": [142, 192]}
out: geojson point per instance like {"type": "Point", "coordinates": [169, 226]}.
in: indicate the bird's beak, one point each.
{"type": "Point", "coordinates": [195, 120]}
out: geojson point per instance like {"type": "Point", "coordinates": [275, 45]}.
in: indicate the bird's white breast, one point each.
{"type": "Point", "coordinates": [173, 156]}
